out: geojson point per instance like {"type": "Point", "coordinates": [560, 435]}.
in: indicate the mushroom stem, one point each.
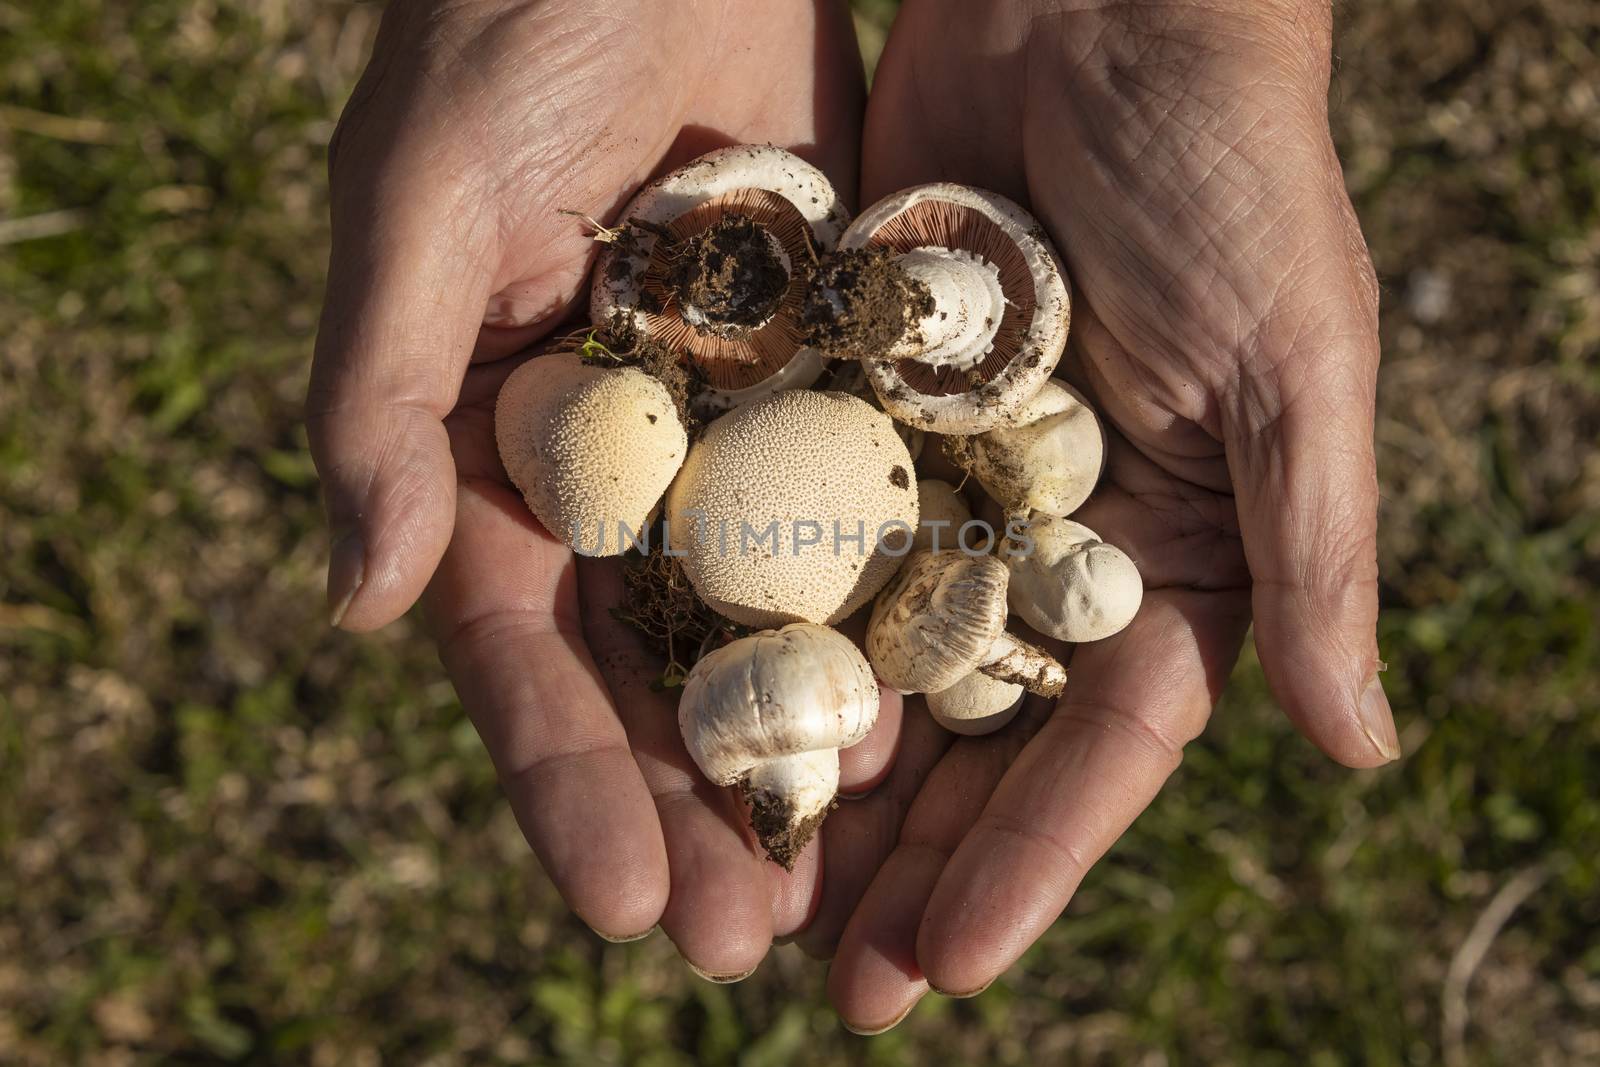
{"type": "Point", "coordinates": [789, 797]}
{"type": "Point", "coordinates": [933, 305]}
{"type": "Point", "coordinates": [967, 305]}
{"type": "Point", "coordinates": [1014, 660]}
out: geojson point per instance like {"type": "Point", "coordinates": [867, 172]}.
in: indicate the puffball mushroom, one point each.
{"type": "Point", "coordinates": [591, 448]}
{"type": "Point", "coordinates": [794, 508]}
{"type": "Point", "coordinates": [941, 512]}
{"type": "Point", "coordinates": [710, 261]}
{"type": "Point", "coordinates": [1046, 456]}
{"type": "Point", "coordinates": [770, 713]}
{"type": "Point", "coordinates": [976, 705]}
{"type": "Point", "coordinates": [1072, 585]}
{"type": "Point", "coordinates": [943, 617]}
{"type": "Point", "coordinates": [953, 297]}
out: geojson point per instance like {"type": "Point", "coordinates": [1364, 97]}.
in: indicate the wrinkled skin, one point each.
{"type": "Point", "coordinates": [475, 126]}
{"type": "Point", "coordinates": [1224, 323]}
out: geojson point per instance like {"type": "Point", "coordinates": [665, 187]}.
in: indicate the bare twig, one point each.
{"type": "Point", "coordinates": [1464, 964]}
{"type": "Point", "coordinates": [57, 127]}
{"type": "Point", "coordinates": [46, 224]}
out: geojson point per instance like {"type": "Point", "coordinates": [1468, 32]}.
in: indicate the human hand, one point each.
{"type": "Point", "coordinates": [475, 125]}
{"type": "Point", "coordinates": [1225, 322]}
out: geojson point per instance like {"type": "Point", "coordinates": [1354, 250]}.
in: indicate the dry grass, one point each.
{"type": "Point", "coordinates": [228, 834]}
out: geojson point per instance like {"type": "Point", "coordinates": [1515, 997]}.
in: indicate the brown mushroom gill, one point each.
{"type": "Point", "coordinates": [742, 357]}
{"type": "Point", "coordinates": [940, 223]}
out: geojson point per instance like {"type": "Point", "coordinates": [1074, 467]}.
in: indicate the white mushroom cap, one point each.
{"type": "Point", "coordinates": [788, 196]}
{"type": "Point", "coordinates": [941, 513]}
{"type": "Point", "coordinates": [1072, 585]}
{"type": "Point", "coordinates": [825, 472]}
{"type": "Point", "coordinates": [771, 712]}
{"type": "Point", "coordinates": [1046, 456]}
{"type": "Point", "coordinates": [976, 705]}
{"type": "Point", "coordinates": [1011, 357]}
{"type": "Point", "coordinates": [942, 618]}
{"type": "Point", "coordinates": [589, 447]}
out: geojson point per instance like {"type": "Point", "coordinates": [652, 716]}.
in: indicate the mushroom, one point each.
{"type": "Point", "coordinates": [1068, 583]}
{"type": "Point", "coordinates": [795, 508]}
{"type": "Point", "coordinates": [591, 448]}
{"type": "Point", "coordinates": [1046, 456]}
{"type": "Point", "coordinates": [943, 617]}
{"type": "Point", "coordinates": [941, 512]}
{"type": "Point", "coordinates": [976, 705]}
{"type": "Point", "coordinates": [769, 713]}
{"type": "Point", "coordinates": [710, 261]}
{"type": "Point", "coordinates": [954, 298]}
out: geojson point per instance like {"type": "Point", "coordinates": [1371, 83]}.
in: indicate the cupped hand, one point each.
{"type": "Point", "coordinates": [1225, 323]}
{"type": "Point", "coordinates": [475, 126]}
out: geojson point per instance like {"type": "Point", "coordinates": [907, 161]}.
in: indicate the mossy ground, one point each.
{"type": "Point", "coordinates": [227, 834]}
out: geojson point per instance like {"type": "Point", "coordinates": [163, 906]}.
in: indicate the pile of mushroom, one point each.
{"type": "Point", "coordinates": [941, 310]}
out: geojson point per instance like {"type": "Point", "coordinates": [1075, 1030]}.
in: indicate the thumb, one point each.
{"type": "Point", "coordinates": [1298, 433]}
{"type": "Point", "coordinates": [408, 281]}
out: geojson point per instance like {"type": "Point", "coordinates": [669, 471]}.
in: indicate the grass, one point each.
{"type": "Point", "coordinates": [227, 834]}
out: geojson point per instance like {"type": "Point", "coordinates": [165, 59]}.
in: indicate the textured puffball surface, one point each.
{"type": "Point", "coordinates": [976, 705]}
{"type": "Point", "coordinates": [590, 447]}
{"type": "Point", "coordinates": [1073, 585]}
{"type": "Point", "coordinates": [803, 688]}
{"type": "Point", "coordinates": [1047, 456]}
{"type": "Point", "coordinates": [797, 457]}
{"type": "Point", "coordinates": [938, 502]}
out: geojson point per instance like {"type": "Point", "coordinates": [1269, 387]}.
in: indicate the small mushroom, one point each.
{"type": "Point", "coordinates": [976, 705]}
{"type": "Point", "coordinates": [954, 298]}
{"type": "Point", "coordinates": [1046, 456]}
{"type": "Point", "coordinates": [591, 448]}
{"type": "Point", "coordinates": [941, 512]}
{"type": "Point", "coordinates": [710, 262]}
{"type": "Point", "coordinates": [1070, 584]}
{"type": "Point", "coordinates": [943, 617]}
{"type": "Point", "coordinates": [770, 713]}
{"type": "Point", "coordinates": [795, 508]}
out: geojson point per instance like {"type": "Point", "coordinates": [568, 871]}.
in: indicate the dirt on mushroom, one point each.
{"type": "Point", "coordinates": [877, 301]}
{"type": "Point", "coordinates": [732, 273]}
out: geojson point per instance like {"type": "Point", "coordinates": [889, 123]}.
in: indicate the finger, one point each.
{"type": "Point", "coordinates": [719, 912]}
{"type": "Point", "coordinates": [1131, 703]}
{"type": "Point", "coordinates": [794, 893]}
{"type": "Point", "coordinates": [407, 280]}
{"type": "Point", "coordinates": [859, 834]}
{"type": "Point", "coordinates": [1300, 450]}
{"type": "Point", "coordinates": [866, 763]}
{"type": "Point", "coordinates": [503, 606]}
{"type": "Point", "coordinates": [876, 978]}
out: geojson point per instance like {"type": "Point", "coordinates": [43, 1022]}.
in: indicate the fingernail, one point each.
{"type": "Point", "coordinates": [865, 1031]}
{"type": "Point", "coordinates": [961, 996]}
{"type": "Point", "coordinates": [624, 939]}
{"type": "Point", "coordinates": [721, 979]}
{"type": "Point", "coordinates": [347, 567]}
{"type": "Point", "coordinates": [1378, 721]}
